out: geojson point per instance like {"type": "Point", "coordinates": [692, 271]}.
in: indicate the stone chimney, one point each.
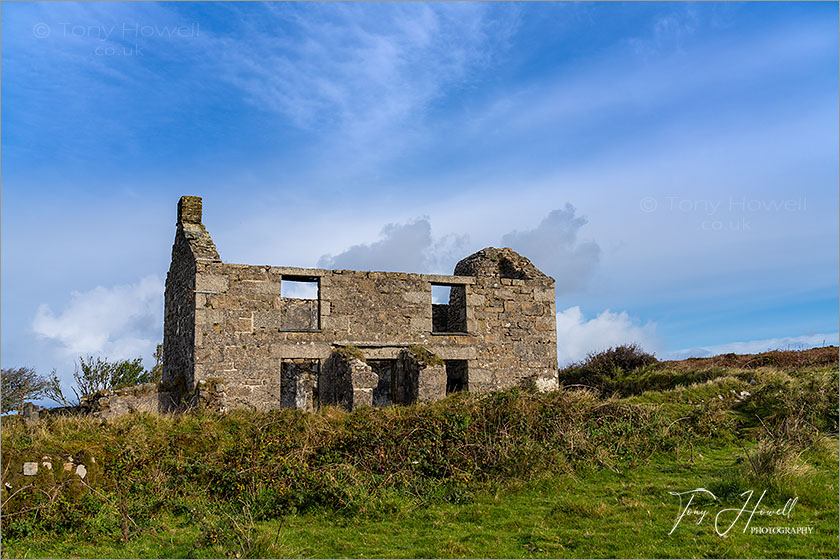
{"type": "Point", "coordinates": [189, 210]}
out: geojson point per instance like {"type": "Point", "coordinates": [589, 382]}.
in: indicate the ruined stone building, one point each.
{"type": "Point", "coordinates": [242, 336]}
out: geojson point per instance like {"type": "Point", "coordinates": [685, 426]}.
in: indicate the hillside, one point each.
{"type": "Point", "coordinates": [583, 471]}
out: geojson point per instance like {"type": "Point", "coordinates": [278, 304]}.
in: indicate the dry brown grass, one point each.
{"type": "Point", "coordinates": [824, 356]}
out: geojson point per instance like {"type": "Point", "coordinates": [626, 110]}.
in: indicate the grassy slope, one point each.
{"type": "Point", "coordinates": [600, 513]}
{"type": "Point", "coordinates": [572, 504]}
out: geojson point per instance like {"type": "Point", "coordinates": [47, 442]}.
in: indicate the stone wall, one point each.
{"type": "Point", "coordinates": [139, 398]}
{"type": "Point", "coordinates": [457, 310]}
{"type": "Point", "coordinates": [296, 314]}
{"type": "Point", "coordinates": [231, 322]}
{"type": "Point", "coordinates": [514, 311]}
{"type": "Point", "coordinates": [192, 245]}
{"type": "Point", "coordinates": [108, 404]}
{"type": "Point", "coordinates": [384, 370]}
{"type": "Point", "coordinates": [299, 383]}
{"type": "Point", "coordinates": [245, 327]}
{"type": "Point", "coordinates": [347, 381]}
{"type": "Point", "coordinates": [418, 378]}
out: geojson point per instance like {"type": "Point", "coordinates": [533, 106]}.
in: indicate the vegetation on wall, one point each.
{"type": "Point", "coordinates": [350, 352]}
{"type": "Point", "coordinates": [425, 356]}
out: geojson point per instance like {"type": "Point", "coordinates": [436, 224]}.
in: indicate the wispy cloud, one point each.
{"type": "Point", "coordinates": [622, 84]}
{"type": "Point", "coordinates": [667, 32]}
{"type": "Point", "coordinates": [578, 336]}
{"type": "Point", "coordinates": [553, 246]}
{"type": "Point", "coordinates": [360, 71]}
{"type": "Point", "coordinates": [120, 322]}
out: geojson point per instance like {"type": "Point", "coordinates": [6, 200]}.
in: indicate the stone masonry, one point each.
{"type": "Point", "coordinates": [234, 338]}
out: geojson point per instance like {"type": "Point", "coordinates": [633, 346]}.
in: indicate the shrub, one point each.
{"type": "Point", "coordinates": [99, 374]}
{"type": "Point", "coordinates": [599, 370]}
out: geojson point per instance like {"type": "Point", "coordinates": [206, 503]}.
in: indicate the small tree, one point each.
{"type": "Point", "coordinates": [18, 384]}
{"type": "Point", "coordinates": [54, 392]}
{"type": "Point", "coordinates": [129, 372]}
{"type": "Point", "coordinates": [98, 374]}
{"type": "Point", "coordinates": [91, 375]}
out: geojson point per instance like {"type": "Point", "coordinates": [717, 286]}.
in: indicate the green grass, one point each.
{"type": "Point", "coordinates": [598, 513]}
{"type": "Point", "coordinates": [506, 474]}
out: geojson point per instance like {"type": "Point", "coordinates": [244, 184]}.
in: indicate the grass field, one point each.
{"type": "Point", "coordinates": [601, 513]}
{"type": "Point", "coordinates": [568, 474]}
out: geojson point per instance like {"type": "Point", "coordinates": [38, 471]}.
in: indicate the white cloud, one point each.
{"type": "Point", "coordinates": [404, 247]}
{"type": "Point", "coordinates": [554, 248]}
{"type": "Point", "coordinates": [757, 346]}
{"type": "Point", "coordinates": [577, 337]}
{"type": "Point", "coordinates": [121, 322]}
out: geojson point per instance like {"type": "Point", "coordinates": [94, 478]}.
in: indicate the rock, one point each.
{"type": "Point", "coordinates": [81, 471]}
{"type": "Point", "coordinates": [30, 468]}
{"type": "Point", "coordinates": [30, 413]}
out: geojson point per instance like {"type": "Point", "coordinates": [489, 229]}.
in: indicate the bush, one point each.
{"type": "Point", "coordinates": [601, 369]}
{"type": "Point", "coordinates": [285, 461]}
{"type": "Point", "coordinates": [99, 374]}
{"type": "Point", "coordinates": [810, 399]}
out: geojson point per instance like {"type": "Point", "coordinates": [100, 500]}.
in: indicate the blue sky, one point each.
{"type": "Point", "coordinates": [674, 166]}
